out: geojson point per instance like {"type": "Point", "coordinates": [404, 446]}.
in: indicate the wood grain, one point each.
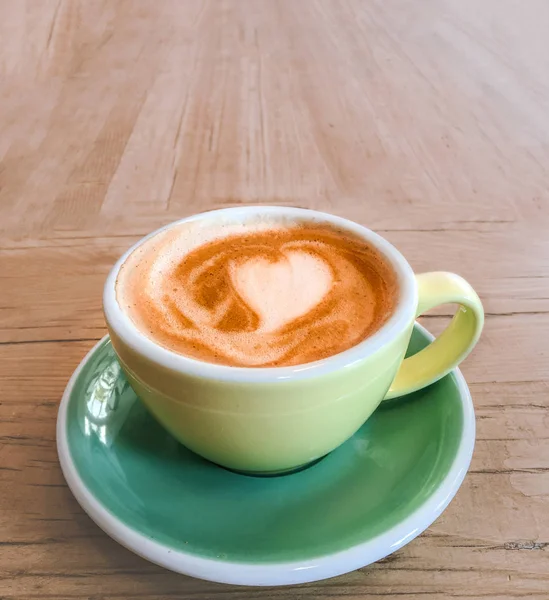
{"type": "Point", "coordinates": [425, 121]}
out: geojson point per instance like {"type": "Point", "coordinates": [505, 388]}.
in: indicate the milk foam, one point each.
{"type": "Point", "coordinates": [281, 291]}
{"type": "Point", "coordinates": [260, 293]}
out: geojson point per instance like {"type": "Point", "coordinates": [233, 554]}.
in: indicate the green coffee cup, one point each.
{"type": "Point", "coordinates": [270, 420]}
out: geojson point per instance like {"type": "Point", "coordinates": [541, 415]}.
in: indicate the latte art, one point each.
{"type": "Point", "coordinates": [256, 295]}
{"type": "Point", "coordinates": [278, 289]}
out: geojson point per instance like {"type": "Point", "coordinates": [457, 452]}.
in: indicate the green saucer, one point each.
{"type": "Point", "coordinates": [363, 501]}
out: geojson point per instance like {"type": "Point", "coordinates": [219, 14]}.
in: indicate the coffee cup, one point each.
{"type": "Point", "coordinates": [269, 420]}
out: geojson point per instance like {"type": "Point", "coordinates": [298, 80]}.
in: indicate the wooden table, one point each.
{"type": "Point", "coordinates": [427, 121]}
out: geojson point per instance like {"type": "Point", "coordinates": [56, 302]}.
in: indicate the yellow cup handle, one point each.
{"type": "Point", "coordinates": [454, 343]}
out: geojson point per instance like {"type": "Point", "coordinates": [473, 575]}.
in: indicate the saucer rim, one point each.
{"type": "Point", "coordinates": [277, 573]}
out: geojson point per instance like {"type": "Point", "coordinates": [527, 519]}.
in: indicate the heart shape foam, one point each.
{"type": "Point", "coordinates": [282, 291]}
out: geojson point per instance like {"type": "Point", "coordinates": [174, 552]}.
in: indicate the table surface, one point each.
{"type": "Point", "coordinates": [426, 121]}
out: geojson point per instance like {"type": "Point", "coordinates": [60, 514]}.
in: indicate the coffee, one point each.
{"type": "Point", "coordinates": [256, 294]}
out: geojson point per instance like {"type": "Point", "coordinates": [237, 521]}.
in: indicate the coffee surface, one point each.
{"type": "Point", "coordinates": [258, 294]}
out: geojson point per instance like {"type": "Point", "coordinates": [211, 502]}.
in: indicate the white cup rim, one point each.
{"type": "Point", "coordinates": [402, 317]}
